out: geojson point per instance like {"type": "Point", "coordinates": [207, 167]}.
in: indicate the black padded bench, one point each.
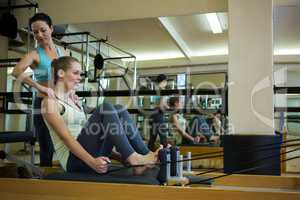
{"type": "Point", "coordinates": [126, 176]}
{"type": "Point", "coordinates": [19, 136]}
{"type": "Point", "coordinates": [116, 176]}
{"type": "Point", "coordinates": [16, 136]}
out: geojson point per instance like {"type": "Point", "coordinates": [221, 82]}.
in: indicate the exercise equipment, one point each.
{"type": "Point", "coordinates": [8, 22]}
{"type": "Point", "coordinates": [27, 136]}
{"type": "Point", "coordinates": [51, 189]}
{"type": "Point", "coordinates": [22, 166]}
{"type": "Point", "coordinates": [8, 25]}
{"type": "Point", "coordinates": [171, 168]}
{"type": "Point", "coordinates": [159, 174]}
{"type": "Point", "coordinates": [98, 61]}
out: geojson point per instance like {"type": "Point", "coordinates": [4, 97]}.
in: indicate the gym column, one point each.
{"type": "Point", "coordinates": [250, 69]}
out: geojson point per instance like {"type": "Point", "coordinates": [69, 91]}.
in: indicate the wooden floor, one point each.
{"type": "Point", "coordinates": [246, 187]}
{"type": "Point", "coordinates": [234, 187]}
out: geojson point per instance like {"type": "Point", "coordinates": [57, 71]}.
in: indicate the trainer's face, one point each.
{"type": "Point", "coordinates": [42, 32]}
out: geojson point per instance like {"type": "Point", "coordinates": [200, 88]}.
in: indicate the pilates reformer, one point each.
{"type": "Point", "coordinates": [170, 169]}
{"type": "Point", "coordinates": [170, 173]}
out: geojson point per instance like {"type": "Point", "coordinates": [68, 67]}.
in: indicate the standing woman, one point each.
{"type": "Point", "coordinates": [39, 60]}
{"type": "Point", "coordinates": [158, 124]}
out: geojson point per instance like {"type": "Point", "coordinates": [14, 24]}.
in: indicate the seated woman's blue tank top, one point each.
{"type": "Point", "coordinates": [42, 72]}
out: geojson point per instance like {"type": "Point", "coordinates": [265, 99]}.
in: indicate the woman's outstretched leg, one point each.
{"type": "Point", "coordinates": [131, 131]}
{"type": "Point", "coordinates": [104, 131]}
{"type": "Point", "coordinates": [106, 124]}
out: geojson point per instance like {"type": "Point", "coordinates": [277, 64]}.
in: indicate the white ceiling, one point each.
{"type": "Point", "coordinates": [149, 39]}
{"type": "Point", "coordinates": [136, 26]}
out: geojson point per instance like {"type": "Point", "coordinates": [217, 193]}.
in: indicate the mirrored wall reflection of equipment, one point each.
{"type": "Point", "coordinates": [204, 113]}
{"type": "Point", "coordinates": [151, 83]}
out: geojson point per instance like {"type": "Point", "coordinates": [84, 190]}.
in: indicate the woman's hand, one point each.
{"type": "Point", "coordinates": [200, 138]}
{"type": "Point", "coordinates": [47, 91]}
{"type": "Point", "coordinates": [74, 97]}
{"type": "Point", "coordinates": [100, 164]}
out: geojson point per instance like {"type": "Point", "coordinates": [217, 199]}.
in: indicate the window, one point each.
{"type": "Point", "coordinates": [181, 81]}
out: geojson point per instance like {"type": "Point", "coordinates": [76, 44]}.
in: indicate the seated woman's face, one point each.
{"type": "Point", "coordinates": [178, 105]}
{"type": "Point", "coordinates": [72, 76]}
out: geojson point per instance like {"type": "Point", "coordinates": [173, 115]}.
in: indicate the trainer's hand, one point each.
{"type": "Point", "coordinates": [100, 164]}
{"type": "Point", "coordinates": [47, 91]}
{"type": "Point", "coordinates": [74, 97]}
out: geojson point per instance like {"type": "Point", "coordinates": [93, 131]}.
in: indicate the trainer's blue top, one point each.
{"type": "Point", "coordinates": [42, 72]}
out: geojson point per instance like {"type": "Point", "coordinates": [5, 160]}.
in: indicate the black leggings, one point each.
{"type": "Point", "coordinates": [158, 127]}
{"type": "Point", "coordinates": [109, 126]}
{"type": "Point", "coordinates": [41, 131]}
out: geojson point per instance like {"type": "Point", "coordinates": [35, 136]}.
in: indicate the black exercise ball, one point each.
{"type": "Point", "coordinates": [98, 61]}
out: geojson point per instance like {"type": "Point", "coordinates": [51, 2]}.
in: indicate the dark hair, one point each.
{"type": "Point", "coordinates": [62, 63]}
{"type": "Point", "coordinates": [40, 17]}
{"type": "Point", "coordinates": [173, 101]}
{"type": "Point", "coordinates": [160, 78]}
{"type": "Point", "coordinates": [219, 111]}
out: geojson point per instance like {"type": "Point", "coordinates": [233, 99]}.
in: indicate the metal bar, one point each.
{"type": "Point", "coordinates": [15, 111]}
{"type": "Point", "coordinates": [117, 58]}
{"type": "Point", "coordinates": [70, 43]}
{"type": "Point", "coordinates": [104, 41]}
{"type": "Point", "coordinates": [87, 53]}
{"type": "Point", "coordinates": [288, 118]}
{"type": "Point", "coordinates": [92, 41]}
{"type": "Point", "coordinates": [119, 49]}
{"type": "Point", "coordinates": [98, 41]}
{"type": "Point", "coordinates": [116, 93]}
{"type": "Point", "coordinates": [16, 94]}
{"type": "Point", "coordinates": [287, 109]}
{"type": "Point", "coordinates": [19, 6]}
{"type": "Point", "coordinates": [287, 90]}
{"type": "Point", "coordinates": [134, 76]}
{"type": "Point", "coordinates": [9, 60]}
{"type": "Point", "coordinates": [144, 111]}
{"type": "Point", "coordinates": [149, 111]}
{"type": "Point", "coordinates": [70, 34]}
{"type": "Point", "coordinates": [7, 65]}
{"type": "Point", "coordinates": [87, 61]}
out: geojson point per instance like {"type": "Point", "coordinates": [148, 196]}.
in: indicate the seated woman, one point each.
{"type": "Point", "coordinates": [217, 124]}
{"type": "Point", "coordinates": [179, 124]}
{"type": "Point", "coordinates": [208, 125]}
{"type": "Point", "coordinates": [84, 144]}
{"type": "Point", "coordinates": [217, 127]}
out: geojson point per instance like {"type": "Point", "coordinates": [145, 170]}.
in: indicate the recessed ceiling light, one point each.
{"type": "Point", "coordinates": [214, 22]}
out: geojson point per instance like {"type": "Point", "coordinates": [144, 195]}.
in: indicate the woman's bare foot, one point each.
{"type": "Point", "coordinates": [138, 159]}
{"type": "Point", "coordinates": [149, 159]}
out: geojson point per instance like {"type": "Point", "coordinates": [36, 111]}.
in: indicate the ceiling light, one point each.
{"type": "Point", "coordinates": [214, 22]}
